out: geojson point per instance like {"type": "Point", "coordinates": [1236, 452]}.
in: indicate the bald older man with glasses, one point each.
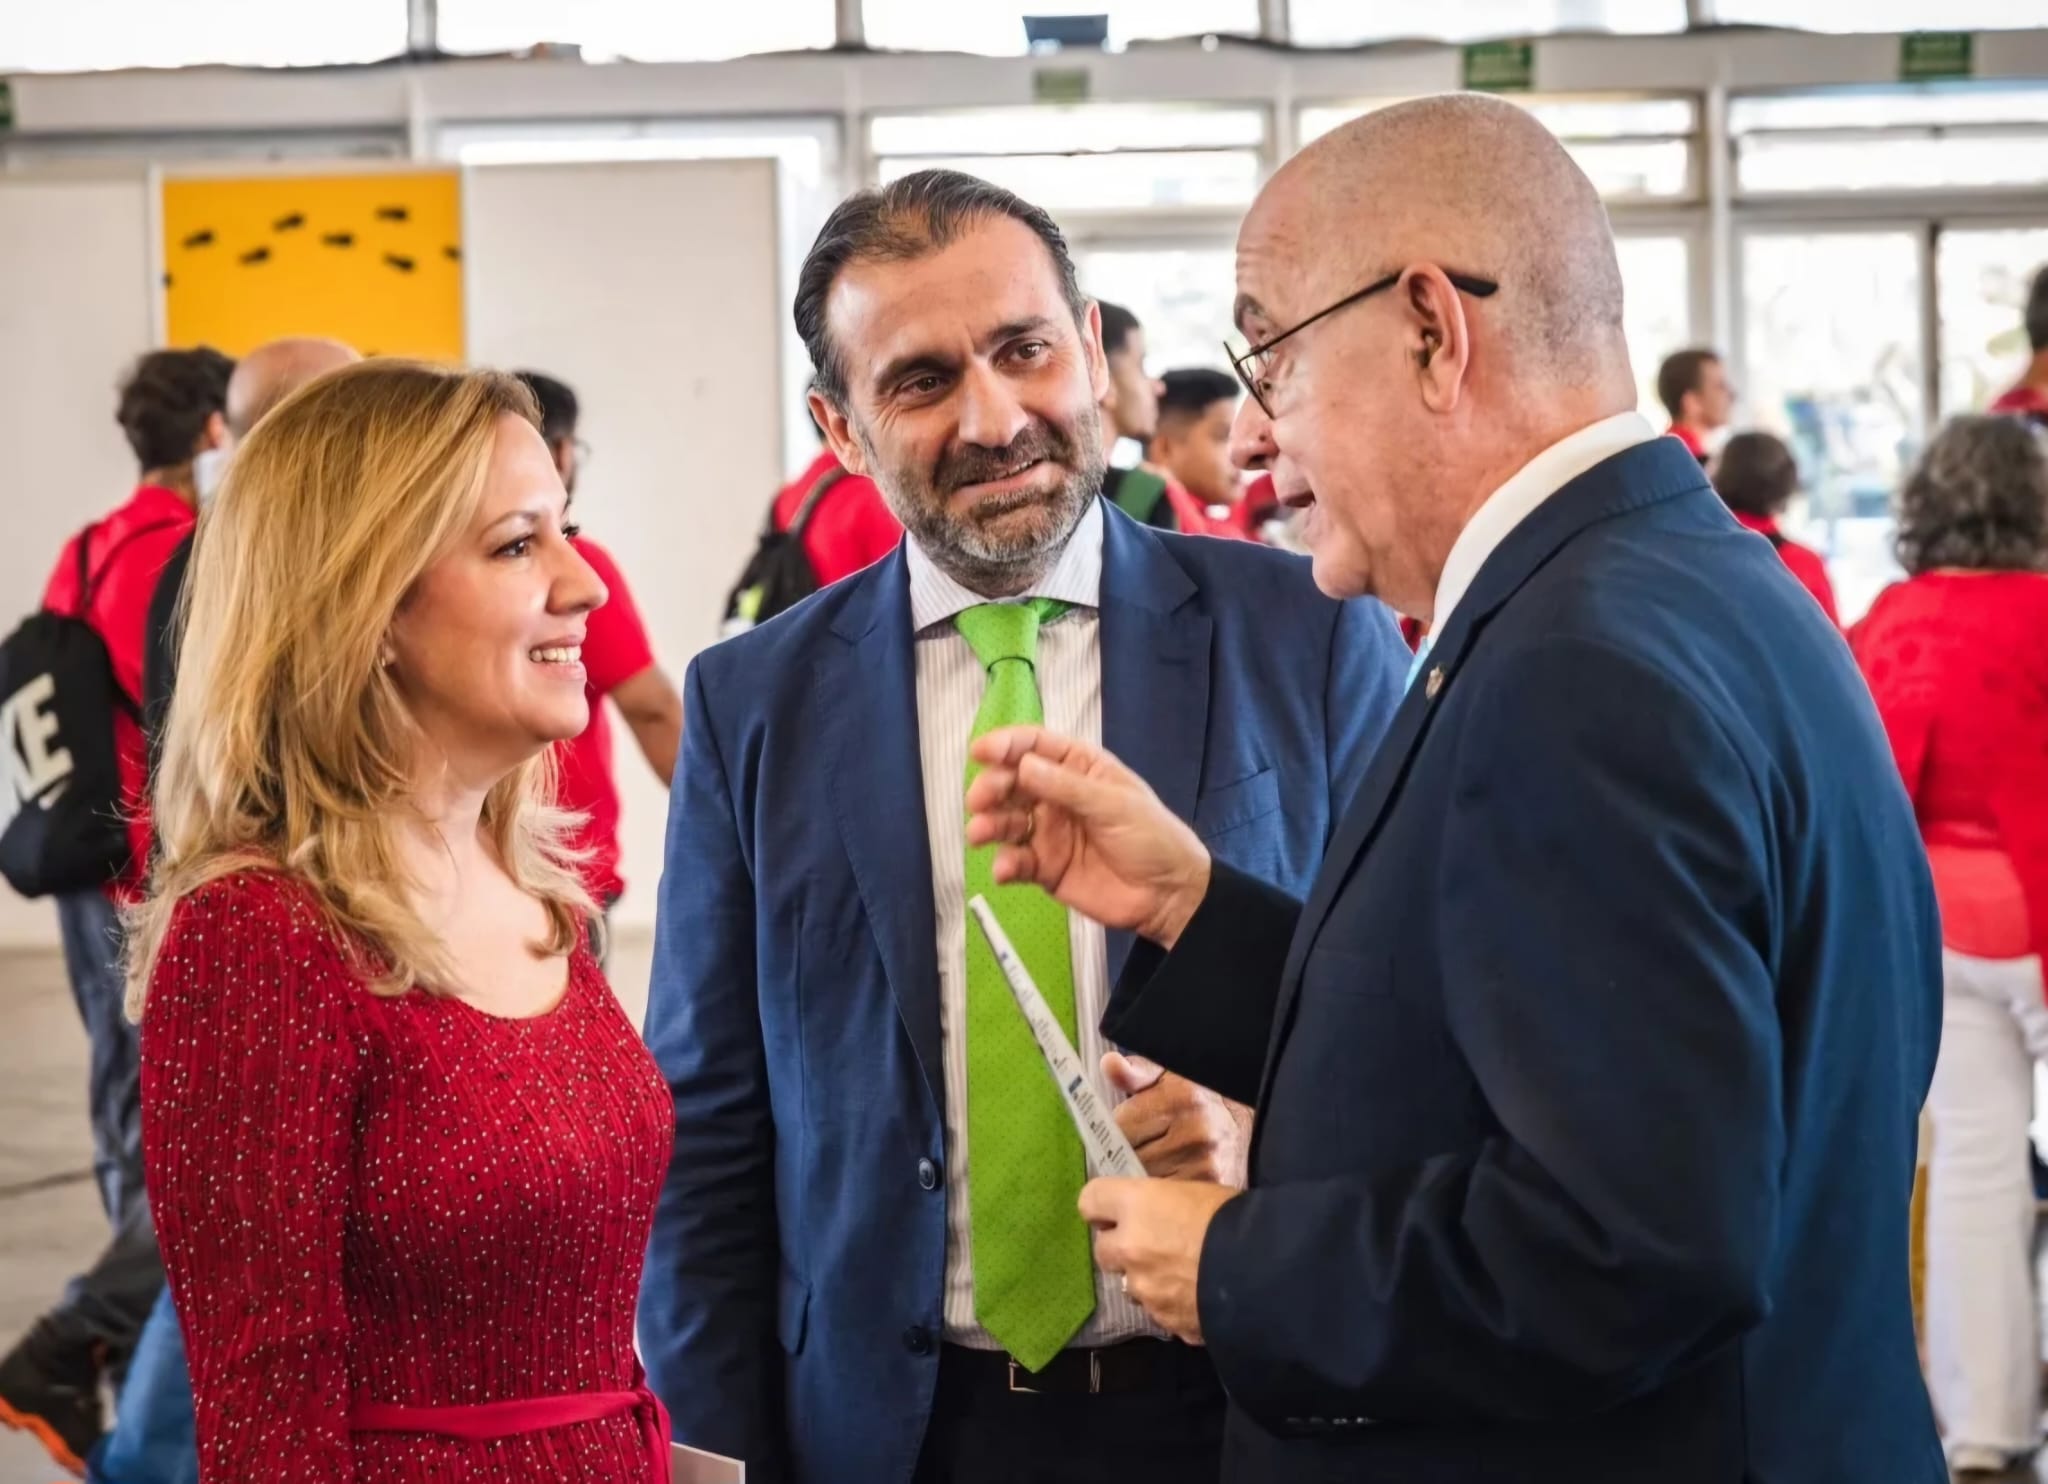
{"type": "Point", "coordinates": [1587, 1073]}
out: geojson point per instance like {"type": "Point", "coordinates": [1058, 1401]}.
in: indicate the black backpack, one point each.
{"type": "Point", "coordinates": [778, 575]}
{"type": "Point", "coordinates": [61, 825]}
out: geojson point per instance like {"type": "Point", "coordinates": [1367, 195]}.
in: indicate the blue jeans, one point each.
{"type": "Point", "coordinates": [108, 1303]}
{"type": "Point", "coordinates": [152, 1441]}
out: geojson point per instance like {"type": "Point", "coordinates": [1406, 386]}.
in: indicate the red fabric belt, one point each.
{"type": "Point", "coordinates": [484, 1421]}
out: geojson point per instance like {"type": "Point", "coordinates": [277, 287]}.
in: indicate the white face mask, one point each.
{"type": "Point", "coordinates": [209, 468]}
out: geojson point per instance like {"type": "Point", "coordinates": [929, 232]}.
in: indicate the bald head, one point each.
{"type": "Point", "coordinates": [1436, 287]}
{"type": "Point", "coordinates": [1478, 186]}
{"type": "Point", "coordinates": [270, 373]}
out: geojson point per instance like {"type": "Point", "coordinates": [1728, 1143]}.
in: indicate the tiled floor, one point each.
{"type": "Point", "coordinates": [49, 1215]}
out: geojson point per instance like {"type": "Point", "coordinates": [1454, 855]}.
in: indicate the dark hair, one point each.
{"type": "Point", "coordinates": [1118, 325]}
{"type": "Point", "coordinates": [1192, 391]}
{"type": "Point", "coordinates": [2037, 312]}
{"type": "Point", "coordinates": [1681, 373]}
{"type": "Point", "coordinates": [1978, 498]}
{"type": "Point", "coordinates": [1755, 474]}
{"type": "Point", "coordinates": [900, 222]}
{"type": "Point", "coordinates": [167, 400]}
{"type": "Point", "coordinates": [557, 403]}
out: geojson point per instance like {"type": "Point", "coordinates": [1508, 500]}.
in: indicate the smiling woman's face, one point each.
{"type": "Point", "coordinates": [487, 647]}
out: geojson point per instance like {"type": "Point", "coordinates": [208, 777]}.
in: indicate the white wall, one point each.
{"type": "Point", "coordinates": [74, 310]}
{"type": "Point", "coordinates": [651, 288]}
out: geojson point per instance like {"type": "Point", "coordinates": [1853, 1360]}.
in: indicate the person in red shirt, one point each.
{"type": "Point", "coordinates": [172, 409]}
{"type": "Point", "coordinates": [1694, 387]}
{"type": "Point", "coordinates": [1756, 477]}
{"type": "Point", "coordinates": [1191, 447]}
{"type": "Point", "coordinates": [620, 665]}
{"type": "Point", "coordinates": [851, 528]}
{"type": "Point", "coordinates": [403, 1145]}
{"type": "Point", "coordinates": [2029, 399]}
{"type": "Point", "coordinates": [1957, 660]}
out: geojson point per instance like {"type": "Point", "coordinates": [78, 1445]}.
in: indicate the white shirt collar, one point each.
{"type": "Point", "coordinates": [1527, 488]}
{"type": "Point", "coordinates": [1076, 578]}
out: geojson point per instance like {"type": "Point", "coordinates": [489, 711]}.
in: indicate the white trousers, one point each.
{"type": "Point", "coordinates": [1983, 1339]}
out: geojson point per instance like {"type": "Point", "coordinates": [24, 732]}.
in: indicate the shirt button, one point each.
{"type": "Point", "coordinates": [927, 1174]}
{"type": "Point", "coordinates": [917, 1340]}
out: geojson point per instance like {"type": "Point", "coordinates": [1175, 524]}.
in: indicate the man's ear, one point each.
{"type": "Point", "coordinates": [1437, 335]}
{"type": "Point", "coordinates": [839, 434]}
{"type": "Point", "coordinates": [1097, 358]}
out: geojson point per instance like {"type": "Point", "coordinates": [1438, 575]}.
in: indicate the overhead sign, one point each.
{"type": "Point", "coordinates": [1927, 55]}
{"type": "Point", "coordinates": [1060, 84]}
{"type": "Point", "coordinates": [1500, 66]}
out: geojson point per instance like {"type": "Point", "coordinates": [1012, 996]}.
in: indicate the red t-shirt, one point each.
{"type": "Point", "coordinates": [1690, 439]}
{"type": "Point", "coordinates": [128, 552]}
{"type": "Point", "coordinates": [851, 528]}
{"type": "Point", "coordinates": [615, 649]}
{"type": "Point", "coordinates": [1958, 666]}
{"type": "Point", "coordinates": [2023, 401]}
{"type": "Point", "coordinates": [1193, 518]}
{"type": "Point", "coordinates": [1803, 562]}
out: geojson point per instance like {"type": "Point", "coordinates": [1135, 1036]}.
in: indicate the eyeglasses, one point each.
{"type": "Point", "coordinates": [1251, 365]}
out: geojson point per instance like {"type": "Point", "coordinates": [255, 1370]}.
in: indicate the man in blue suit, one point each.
{"type": "Point", "coordinates": [868, 1262]}
{"type": "Point", "coordinates": [1587, 1072]}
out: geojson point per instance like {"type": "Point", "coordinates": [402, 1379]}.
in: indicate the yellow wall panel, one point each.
{"type": "Point", "coordinates": [374, 260]}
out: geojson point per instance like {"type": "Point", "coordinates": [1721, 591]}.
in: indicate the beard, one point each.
{"type": "Point", "coordinates": [1002, 542]}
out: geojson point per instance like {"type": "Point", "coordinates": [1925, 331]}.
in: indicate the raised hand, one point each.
{"type": "Point", "coordinates": [1072, 819]}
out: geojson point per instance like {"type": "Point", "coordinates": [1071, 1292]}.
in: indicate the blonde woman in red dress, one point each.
{"type": "Point", "coordinates": [401, 1143]}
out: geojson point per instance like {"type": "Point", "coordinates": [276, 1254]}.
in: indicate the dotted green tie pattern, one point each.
{"type": "Point", "coordinates": [1034, 1272]}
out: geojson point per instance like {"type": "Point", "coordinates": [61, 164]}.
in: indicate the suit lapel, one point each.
{"type": "Point", "coordinates": [867, 700]}
{"type": "Point", "coordinates": [1155, 672]}
{"type": "Point", "coordinates": [1644, 475]}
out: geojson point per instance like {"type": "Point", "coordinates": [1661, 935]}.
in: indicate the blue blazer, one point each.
{"type": "Point", "coordinates": [791, 1312]}
{"type": "Point", "coordinates": [1588, 1073]}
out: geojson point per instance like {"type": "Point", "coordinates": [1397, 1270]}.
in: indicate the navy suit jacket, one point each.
{"type": "Point", "coordinates": [791, 1312]}
{"type": "Point", "coordinates": [1588, 1073]}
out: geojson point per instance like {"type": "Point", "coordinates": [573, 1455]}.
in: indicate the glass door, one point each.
{"type": "Point", "coordinates": [1834, 359]}
{"type": "Point", "coordinates": [1656, 299]}
{"type": "Point", "coordinates": [1981, 278]}
{"type": "Point", "coordinates": [1181, 294]}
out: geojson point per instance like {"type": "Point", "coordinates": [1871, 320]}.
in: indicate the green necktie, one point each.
{"type": "Point", "coordinates": [1034, 1271]}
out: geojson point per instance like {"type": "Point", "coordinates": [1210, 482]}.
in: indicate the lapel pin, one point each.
{"type": "Point", "coordinates": [1434, 684]}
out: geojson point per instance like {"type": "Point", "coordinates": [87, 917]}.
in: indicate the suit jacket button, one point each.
{"type": "Point", "coordinates": [927, 1175]}
{"type": "Point", "coordinates": [917, 1340]}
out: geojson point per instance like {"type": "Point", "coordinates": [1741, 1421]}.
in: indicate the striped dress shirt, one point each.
{"type": "Point", "coordinates": [950, 683]}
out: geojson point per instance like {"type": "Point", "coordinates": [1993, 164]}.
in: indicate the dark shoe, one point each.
{"type": "Point", "coordinates": [50, 1389]}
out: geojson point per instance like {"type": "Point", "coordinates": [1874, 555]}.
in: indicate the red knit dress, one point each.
{"type": "Point", "coordinates": [383, 1202]}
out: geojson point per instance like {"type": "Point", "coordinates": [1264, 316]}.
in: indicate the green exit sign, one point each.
{"type": "Point", "coordinates": [1060, 84]}
{"type": "Point", "coordinates": [1500, 66]}
{"type": "Point", "coordinates": [1926, 55]}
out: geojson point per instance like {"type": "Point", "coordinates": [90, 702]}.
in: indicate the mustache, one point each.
{"type": "Point", "coordinates": [972, 464]}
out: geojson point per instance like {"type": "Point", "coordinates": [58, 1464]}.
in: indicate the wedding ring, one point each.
{"type": "Point", "coordinates": [1124, 1282]}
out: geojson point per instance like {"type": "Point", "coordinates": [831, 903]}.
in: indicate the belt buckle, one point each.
{"type": "Point", "coordinates": [1094, 1376]}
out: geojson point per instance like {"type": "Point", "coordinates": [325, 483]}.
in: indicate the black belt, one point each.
{"type": "Point", "coordinates": [1134, 1366]}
